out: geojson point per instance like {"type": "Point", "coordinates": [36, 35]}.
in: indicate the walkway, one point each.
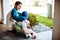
{"type": "Point", "coordinates": [43, 33]}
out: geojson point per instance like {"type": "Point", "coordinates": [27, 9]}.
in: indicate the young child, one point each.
{"type": "Point", "coordinates": [25, 23]}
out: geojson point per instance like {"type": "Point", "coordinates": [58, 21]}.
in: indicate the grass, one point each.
{"type": "Point", "coordinates": [45, 21]}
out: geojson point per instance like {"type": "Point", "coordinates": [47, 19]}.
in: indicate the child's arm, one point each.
{"type": "Point", "coordinates": [24, 15]}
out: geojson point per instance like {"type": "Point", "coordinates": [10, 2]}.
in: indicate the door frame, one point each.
{"type": "Point", "coordinates": [56, 21]}
{"type": "Point", "coordinates": [2, 12]}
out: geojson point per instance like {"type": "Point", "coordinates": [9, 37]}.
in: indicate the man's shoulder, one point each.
{"type": "Point", "coordinates": [10, 11]}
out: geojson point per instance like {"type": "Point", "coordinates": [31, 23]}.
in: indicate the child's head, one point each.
{"type": "Point", "coordinates": [17, 5]}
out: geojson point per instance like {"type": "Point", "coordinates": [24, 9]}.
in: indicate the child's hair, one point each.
{"type": "Point", "coordinates": [17, 3]}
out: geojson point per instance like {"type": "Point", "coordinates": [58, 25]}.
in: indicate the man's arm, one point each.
{"type": "Point", "coordinates": [9, 21]}
{"type": "Point", "coordinates": [8, 17]}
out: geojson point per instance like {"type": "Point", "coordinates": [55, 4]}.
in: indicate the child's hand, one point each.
{"type": "Point", "coordinates": [26, 32]}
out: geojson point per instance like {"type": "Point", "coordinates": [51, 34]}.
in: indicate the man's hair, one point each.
{"type": "Point", "coordinates": [17, 3]}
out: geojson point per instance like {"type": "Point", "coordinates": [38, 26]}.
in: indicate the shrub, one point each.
{"type": "Point", "coordinates": [33, 19]}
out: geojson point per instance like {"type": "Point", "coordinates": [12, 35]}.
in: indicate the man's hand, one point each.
{"type": "Point", "coordinates": [14, 21]}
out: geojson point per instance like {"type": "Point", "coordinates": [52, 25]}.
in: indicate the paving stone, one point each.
{"type": "Point", "coordinates": [40, 28]}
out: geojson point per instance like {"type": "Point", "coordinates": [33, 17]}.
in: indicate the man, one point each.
{"type": "Point", "coordinates": [24, 24]}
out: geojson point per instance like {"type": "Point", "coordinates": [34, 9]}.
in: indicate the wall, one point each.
{"type": "Point", "coordinates": [7, 8]}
